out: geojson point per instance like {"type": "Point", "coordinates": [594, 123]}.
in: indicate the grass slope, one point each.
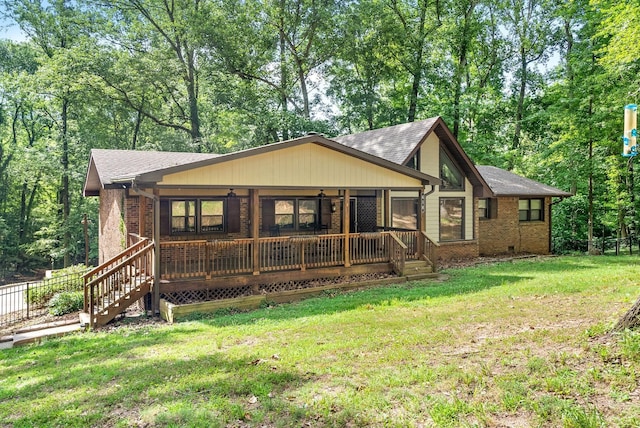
{"type": "Point", "coordinates": [510, 344]}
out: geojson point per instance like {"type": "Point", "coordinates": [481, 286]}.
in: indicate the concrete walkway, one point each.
{"type": "Point", "coordinates": [36, 333]}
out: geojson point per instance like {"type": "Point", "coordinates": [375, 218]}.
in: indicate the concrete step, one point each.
{"type": "Point", "coordinates": [32, 335]}
{"type": "Point", "coordinates": [420, 276]}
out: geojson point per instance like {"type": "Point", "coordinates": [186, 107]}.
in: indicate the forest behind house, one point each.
{"type": "Point", "coordinates": [535, 87]}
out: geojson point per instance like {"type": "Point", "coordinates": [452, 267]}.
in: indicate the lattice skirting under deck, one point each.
{"type": "Point", "coordinates": [193, 296]}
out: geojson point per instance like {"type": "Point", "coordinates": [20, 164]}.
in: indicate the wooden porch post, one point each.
{"type": "Point", "coordinates": [345, 227]}
{"type": "Point", "coordinates": [142, 211]}
{"type": "Point", "coordinates": [420, 221]}
{"type": "Point", "coordinates": [155, 295]}
{"type": "Point", "coordinates": [387, 208]}
{"type": "Point", "coordinates": [255, 228]}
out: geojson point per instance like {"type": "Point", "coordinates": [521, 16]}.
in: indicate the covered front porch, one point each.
{"type": "Point", "coordinates": [248, 222]}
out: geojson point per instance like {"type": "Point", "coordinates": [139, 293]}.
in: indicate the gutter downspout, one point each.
{"type": "Point", "coordinates": [155, 294]}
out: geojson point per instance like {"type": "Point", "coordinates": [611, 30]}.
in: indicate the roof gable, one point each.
{"type": "Point", "coordinates": [306, 165]}
{"type": "Point", "coordinates": [505, 183]}
{"type": "Point", "coordinates": [394, 143]}
{"type": "Point", "coordinates": [399, 143]}
{"type": "Point", "coordinates": [117, 168]}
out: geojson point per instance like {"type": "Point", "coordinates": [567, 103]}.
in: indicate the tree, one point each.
{"type": "Point", "coordinates": [531, 26]}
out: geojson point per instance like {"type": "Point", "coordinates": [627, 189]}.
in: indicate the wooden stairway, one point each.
{"type": "Point", "coordinates": [418, 269]}
{"type": "Point", "coordinates": [118, 283]}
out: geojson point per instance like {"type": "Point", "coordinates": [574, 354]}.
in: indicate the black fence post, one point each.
{"type": "Point", "coordinates": [27, 300]}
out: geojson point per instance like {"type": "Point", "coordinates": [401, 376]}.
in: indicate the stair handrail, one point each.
{"type": "Point", "coordinates": [122, 254]}
{"type": "Point", "coordinates": [397, 252]}
{"type": "Point", "coordinates": [117, 267]}
{"type": "Point", "coordinates": [113, 266]}
{"type": "Point", "coordinates": [429, 249]}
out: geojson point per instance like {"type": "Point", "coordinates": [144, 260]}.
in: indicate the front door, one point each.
{"type": "Point", "coordinates": [362, 215]}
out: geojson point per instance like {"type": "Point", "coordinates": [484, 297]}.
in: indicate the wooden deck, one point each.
{"type": "Point", "coordinates": [202, 259]}
{"type": "Point", "coordinates": [202, 270]}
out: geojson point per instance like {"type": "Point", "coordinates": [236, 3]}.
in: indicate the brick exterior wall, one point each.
{"type": "Point", "coordinates": [461, 250]}
{"type": "Point", "coordinates": [506, 234]}
{"type": "Point", "coordinates": [112, 233]}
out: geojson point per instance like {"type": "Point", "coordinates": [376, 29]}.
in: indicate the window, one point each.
{"type": "Point", "coordinates": [452, 178]}
{"type": "Point", "coordinates": [404, 213]}
{"type": "Point", "coordinates": [290, 214]}
{"type": "Point", "coordinates": [284, 213]}
{"type": "Point", "coordinates": [451, 219]}
{"type": "Point", "coordinates": [414, 162]}
{"type": "Point", "coordinates": [189, 216]}
{"type": "Point", "coordinates": [183, 216]}
{"type": "Point", "coordinates": [483, 208]}
{"type": "Point", "coordinates": [212, 216]}
{"type": "Point", "coordinates": [307, 213]}
{"type": "Point", "coordinates": [531, 209]}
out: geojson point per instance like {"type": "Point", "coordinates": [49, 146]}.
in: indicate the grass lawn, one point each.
{"type": "Point", "coordinates": [511, 344]}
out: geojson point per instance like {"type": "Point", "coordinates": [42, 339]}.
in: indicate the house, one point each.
{"type": "Point", "coordinates": [269, 219]}
{"type": "Point", "coordinates": [183, 227]}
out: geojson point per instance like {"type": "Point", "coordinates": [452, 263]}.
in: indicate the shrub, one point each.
{"type": "Point", "coordinates": [68, 279]}
{"type": "Point", "coordinates": [66, 303]}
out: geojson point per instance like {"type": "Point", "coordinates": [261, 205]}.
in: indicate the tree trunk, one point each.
{"type": "Point", "coordinates": [192, 93]}
{"type": "Point", "coordinates": [65, 197]}
{"type": "Point", "coordinates": [283, 80]}
{"type": "Point", "coordinates": [630, 320]}
{"type": "Point", "coordinates": [413, 97]}
{"type": "Point", "coordinates": [521, 95]}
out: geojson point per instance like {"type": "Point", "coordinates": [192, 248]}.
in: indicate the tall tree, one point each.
{"type": "Point", "coordinates": [417, 24]}
{"type": "Point", "coordinates": [531, 26]}
{"type": "Point", "coordinates": [56, 27]}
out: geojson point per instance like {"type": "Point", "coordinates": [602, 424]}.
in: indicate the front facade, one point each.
{"type": "Point", "coordinates": [258, 220]}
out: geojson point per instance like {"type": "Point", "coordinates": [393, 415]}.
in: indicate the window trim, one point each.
{"type": "Point", "coordinates": [529, 210]}
{"type": "Point", "coordinates": [444, 154]}
{"type": "Point", "coordinates": [417, 212]}
{"type": "Point", "coordinates": [462, 218]}
{"type": "Point", "coordinates": [484, 213]}
{"type": "Point", "coordinates": [296, 213]}
{"type": "Point", "coordinates": [198, 216]}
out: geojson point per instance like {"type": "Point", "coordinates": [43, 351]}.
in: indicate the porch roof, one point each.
{"type": "Point", "coordinates": [399, 143]}
{"type": "Point", "coordinates": [505, 183]}
{"type": "Point", "coordinates": [312, 161]}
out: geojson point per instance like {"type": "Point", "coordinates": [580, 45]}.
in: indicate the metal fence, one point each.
{"type": "Point", "coordinates": [20, 302]}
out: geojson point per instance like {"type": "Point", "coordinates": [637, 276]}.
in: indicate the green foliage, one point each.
{"type": "Point", "coordinates": [68, 279]}
{"type": "Point", "coordinates": [533, 86]}
{"type": "Point", "coordinates": [66, 302]}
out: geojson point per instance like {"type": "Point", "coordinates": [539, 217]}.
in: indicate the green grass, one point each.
{"type": "Point", "coordinates": [510, 344]}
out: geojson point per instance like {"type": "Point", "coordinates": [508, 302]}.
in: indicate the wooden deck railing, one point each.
{"type": "Point", "coordinates": [429, 249]}
{"type": "Point", "coordinates": [199, 258]}
{"type": "Point", "coordinates": [368, 247]}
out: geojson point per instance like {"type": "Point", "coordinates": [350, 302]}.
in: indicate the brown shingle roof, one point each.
{"type": "Point", "coordinates": [115, 168]}
{"type": "Point", "coordinates": [394, 143]}
{"type": "Point", "coordinates": [505, 183]}
{"type": "Point", "coordinates": [110, 166]}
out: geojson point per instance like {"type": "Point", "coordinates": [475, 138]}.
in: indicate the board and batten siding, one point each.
{"type": "Point", "coordinates": [305, 165]}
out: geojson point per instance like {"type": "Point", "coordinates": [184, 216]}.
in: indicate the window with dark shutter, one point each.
{"type": "Point", "coordinates": [233, 215]}
{"type": "Point", "coordinates": [268, 214]}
